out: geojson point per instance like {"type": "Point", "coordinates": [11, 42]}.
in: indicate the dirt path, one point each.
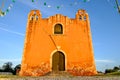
{"type": "Point", "coordinates": [64, 78]}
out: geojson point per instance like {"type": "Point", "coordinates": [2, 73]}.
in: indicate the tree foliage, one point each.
{"type": "Point", "coordinates": [115, 69]}
{"type": "Point", "coordinates": [7, 67]}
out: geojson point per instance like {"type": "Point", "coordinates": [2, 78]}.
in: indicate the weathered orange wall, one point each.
{"type": "Point", "coordinates": [75, 43]}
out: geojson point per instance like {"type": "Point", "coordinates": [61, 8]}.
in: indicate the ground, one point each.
{"type": "Point", "coordinates": [61, 77]}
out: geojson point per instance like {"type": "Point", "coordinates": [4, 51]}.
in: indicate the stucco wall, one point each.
{"type": "Point", "coordinates": [41, 43]}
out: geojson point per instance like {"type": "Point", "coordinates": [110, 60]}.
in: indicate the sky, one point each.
{"type": "Point", "coordinates": [104, 22]}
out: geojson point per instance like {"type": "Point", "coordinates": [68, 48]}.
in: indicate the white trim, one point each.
{"type": "Point", "coordinates": [52, 55]}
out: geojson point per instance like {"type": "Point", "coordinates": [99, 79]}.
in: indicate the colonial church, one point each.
{"type": "Point", "coordinates": [58, 43]}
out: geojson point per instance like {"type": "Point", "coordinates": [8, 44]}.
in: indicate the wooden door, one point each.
{"type": "Point", "coordinates": [58, 61]}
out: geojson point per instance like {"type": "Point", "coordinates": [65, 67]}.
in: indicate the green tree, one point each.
{"type": "Point", "coordinates": [109, 71]}
{"type": "Point", "coordinates": [116, 68]}
{"type": "Point", "coordinates": [7, 67]}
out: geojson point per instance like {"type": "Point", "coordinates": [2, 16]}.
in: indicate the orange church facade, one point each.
{"type": "Point", "coordinates": [58, 43]}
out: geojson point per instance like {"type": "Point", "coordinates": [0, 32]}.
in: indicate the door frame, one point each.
{"type": "Point", "coordinates": [52, 56]}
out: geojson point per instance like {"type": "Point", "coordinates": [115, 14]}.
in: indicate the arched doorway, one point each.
{"type": "Point", "coordinates": [58, 61]}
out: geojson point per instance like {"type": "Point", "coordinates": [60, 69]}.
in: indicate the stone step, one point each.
{"type": "Point", "coordinates": [58, 73]}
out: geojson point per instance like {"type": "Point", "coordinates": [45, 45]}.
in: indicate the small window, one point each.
{"type": "Point", "coordinates": [80, 17]}
{"type": "Point", "coordinates": [85, 18]}
{"type": "Point", "coordinates": [58, 29]}
{"type": "Point", "coordinates": [36, 17]}
{"type": "Point", "coordinates": [31, 18]}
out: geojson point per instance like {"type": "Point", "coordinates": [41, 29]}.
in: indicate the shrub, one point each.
{"type": "Point", "coordinates": [109, 71]}
{"type": "Point", "coordinates": [16, 69]}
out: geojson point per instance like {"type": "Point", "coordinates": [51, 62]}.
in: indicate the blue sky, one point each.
{"type": "Point", "coordinates": [104, 21]}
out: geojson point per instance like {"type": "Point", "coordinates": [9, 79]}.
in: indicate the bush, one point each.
{"type": "Point", "coordinates": [1, 70]}
{"type": "Point", "coordinates": [109, 71]}
{"type": "Point", "coordinates": [16, 69]}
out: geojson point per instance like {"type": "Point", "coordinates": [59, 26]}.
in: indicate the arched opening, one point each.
{"type": "Point", "coordinates": [58, 61]}
{"type": "Point", "coordinates": [85, 18]}
{"type": "Point", "coordinates": [58, 29]}
{"type": "Point", "coordinates": [80, 17]}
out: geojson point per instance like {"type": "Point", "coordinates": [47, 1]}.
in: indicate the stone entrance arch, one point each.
{"type": "Point", "coordinates": [58, 61]}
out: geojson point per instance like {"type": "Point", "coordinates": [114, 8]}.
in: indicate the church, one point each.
{"type": "Point", "coordinates": [58, 43]}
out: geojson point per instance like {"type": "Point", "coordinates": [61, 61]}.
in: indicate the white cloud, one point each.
{"type": "Point", "coordinates": [11, 31]}
{"type": "Point", "coordinates": [10, 60]}
{"type": "Point", "coordinates": [104, 61]}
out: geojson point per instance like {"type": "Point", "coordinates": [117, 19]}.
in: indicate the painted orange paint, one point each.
{"type": "Point", "coordinates": [74, 43]}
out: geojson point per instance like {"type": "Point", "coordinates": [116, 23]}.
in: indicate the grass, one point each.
{"type": "Point", "coordinates": [9, 76]}
{"type": "Point", "coordinates": [114, 73]}
{"type": "Point", "coordinates": [98, 75]}
{"type": "Point", "coordinates": [109, 74]}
